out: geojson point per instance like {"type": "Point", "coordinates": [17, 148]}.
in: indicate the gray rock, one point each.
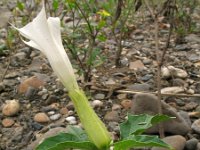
{"type": "Point", "coordinates": [71, 120]}
{"type": "Point", "coordinates": [176, 141]}
{"type": "Point", "coordinates": [55, 117]}
{"type": "Point", "coordinates": [180, 102]}
{"type": "Point", "coordinates": [99, 96]}
{"type": "Point", "coordinates": [114, 126]}
{"type": "Point", "coordinates": [20, 59]}
{"type": "Point", "coordinates": [171, 71]}
{"type": "Point", "coordinates": [191, 144]}
{"type": "Point", "coordinates": [146, 77]}
{"type": "Point", "coordinates": [192, 38]}
{"type": "Point", "coordinates": [193, 57]}
{"type": "Point", "coordinates": [186, 117]}
{"type": "Point", "coordinates": [31, 91]}
{"type": "Point", "coordinates": [147, 61]}
{"type": "Point", "coordinates": [51, 99]}
{"type": "Point", "coordinates": [196, 126]}
{"type": "Point", "coordinates": [124, 61]}
{"type": "Point", "coordinates": [42, 77]}
{"type": "Point", "coordinates": [139, 38]}
{"type": "Point", "coordinates": [140, 87]}
{"type": "Point", "coordinates": [182, 47]}
{"type": "Point", "coordinates": [112, 116]}
{"type": "Point", "coordinates": [126, 44]}
{"type": "Point", "coordinates": [148, 103]}
{"type": "Point", "coordinates": [97, 104]}
{"type": "Point", "coordinates": [51, 132]}
{"type": "Point", "coordinates": [198, 146]}
{"type": "Point", "coordinates": [178, 82]}
{"type": "Point", "coordinates": [12, 75]}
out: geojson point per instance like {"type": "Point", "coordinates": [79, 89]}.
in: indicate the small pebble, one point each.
{"type": "Point", "coordinates": [121, 96]}
{"type": "Point", "coordinates": [41, 118]}
{"type": "Point", "coordinates": [55, 117]}
{"type": "Point", "coordinates": [112, 116]}
{"type": "Point", "coordinates": [51, 112]}
{"type": "Point", "coordinates": [55, 106]}
{"type": "Point", "coordinates": [11, 108]}
{"type": "Point", "coordinates": [71, 120]}
{"type": "Point", "coordinates": [126, 104]}
{"type": "Point", "coordinates": [64, 111]}
{"type": "Point", "coordinates": [116, 107]}
{"type": "Point", "coordinates": [190, 91]}
{"type": "Point", "coordinates": [99, 96]}
{"type": "Point", "coordinates": [70, 112]}
{"type": "Point", "coordinates": [97, 103]}
{"type": "Point", "coordinates": [7, 122]}
{"type": "Point", "coordinates": [37, 126]}
{"type": "Point", "coordinates": [70, 106]}
{"type": "Point", "coordinates": [51, 99]}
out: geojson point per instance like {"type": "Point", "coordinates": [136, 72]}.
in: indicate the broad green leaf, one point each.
{"type": "Point", "coordinates": [137, 124]}
{"type": "Point", "coordinates": [75, 138]}
{"type": "Point", "coordinates": [140, 141]}
{"type": "Point", "coordinates": [78, 132]}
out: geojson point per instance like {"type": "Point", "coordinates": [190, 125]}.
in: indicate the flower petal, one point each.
{"type": "Point", "coordinates": [54, 27]}
{"type": "Point", "coordinates": [38, 31]}
{"type": "Point", "coordinates": [32, 44]}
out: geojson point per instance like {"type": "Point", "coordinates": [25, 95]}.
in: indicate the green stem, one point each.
{"type": "Point", "coordinates": [93, 126]}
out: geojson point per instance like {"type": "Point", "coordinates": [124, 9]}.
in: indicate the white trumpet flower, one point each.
{"type": "Point", "coordinates": [45, 35]}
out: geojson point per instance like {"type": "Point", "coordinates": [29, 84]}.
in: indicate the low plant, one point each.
{"type": "Point", "coordinates": [45, 35]}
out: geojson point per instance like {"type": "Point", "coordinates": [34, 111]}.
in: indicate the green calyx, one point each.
{"type": "Point", "coordinates": [93, 126]}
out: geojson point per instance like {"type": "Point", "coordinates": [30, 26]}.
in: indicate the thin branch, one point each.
{"type": "Point", "coordinates": [85, 18]}
{"type": "Point", "coordinates": [141, 92]}
{"type": "Point", "coordinates": [159, 65]}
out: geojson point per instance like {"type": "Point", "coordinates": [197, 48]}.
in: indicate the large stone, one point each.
{"type": "Point", "coordinates": [176, 141]}
{"type": "Point", "coordinates": [136, 65]}
{"type": "Point", "coordinates": [50, 133]}
{"type": "Point", "coordinates": [148, 104]}
{"type": "Point", "coordinates": [11, 108]}
{"type": "Point", "coordinates": [171, 71]}
{"type": "Point", "coordinates": [196, 126]}
{"type": "Point", "coordinates": [172, 90]}
{"type": "Point", "coordinates": [30, 82]}
{"type": "Point", "coordinates": [191, 144]}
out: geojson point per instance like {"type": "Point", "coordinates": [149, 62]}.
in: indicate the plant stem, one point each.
{"type": "Point", "coordinates": [159, 65]}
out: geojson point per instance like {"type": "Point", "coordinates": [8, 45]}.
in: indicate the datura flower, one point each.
{"type": "Point", "coordinates": [45, 35]}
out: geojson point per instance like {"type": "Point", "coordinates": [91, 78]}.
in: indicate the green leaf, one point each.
{"type": "Point", "coordinates": [55, 4]}
{"type": "Point", "coordinates": [20, 5]}
{"type": "Point", "coordinates": [101, 24]}
{"type": "Point", "coordinates": [140, 141]}
{"type": "Point", "coordinates": [101, 37]}
{"type": "Point", "coordinates": [137, 124]}
{"type": "Point", "coordinates": [75, 138]}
